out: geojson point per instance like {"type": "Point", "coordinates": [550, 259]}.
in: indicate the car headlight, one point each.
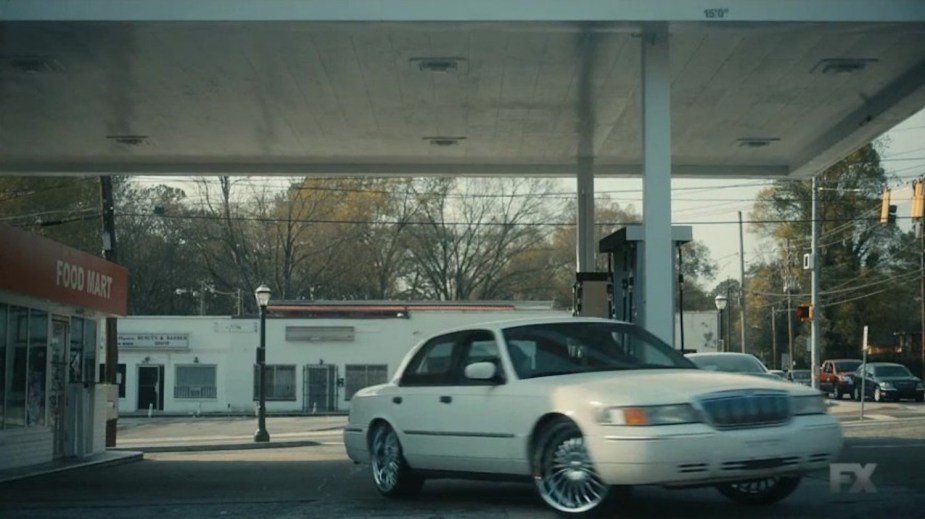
{"type": "Point", "coordinates": [649, 415]}
{"type": "Point", "coordinates": [812, 404]}
{"type": "Point", "coordinates": [887, 385]}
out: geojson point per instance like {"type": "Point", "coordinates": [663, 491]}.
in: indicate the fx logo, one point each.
{"type": "Point", "coordinates": [843, 473]}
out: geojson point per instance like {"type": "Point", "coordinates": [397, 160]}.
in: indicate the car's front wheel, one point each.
{"type": "Point", "coordinates": [565, 476]}
{"type": "Point", "coordinates": [878, 395]}
{"type": "Point", "coordinates": [760, 491]}
{"type": "Point", "coordinates": [391, 474]}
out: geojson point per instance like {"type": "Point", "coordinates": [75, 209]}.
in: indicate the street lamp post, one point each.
{"type": "Point", "coordinates": [263, 299]}
{"type": "Point", "coordinates": [721, 301]}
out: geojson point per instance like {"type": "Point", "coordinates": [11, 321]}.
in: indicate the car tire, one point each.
{"type": "Point", "coordinates": [564, 473]}
{"type": "Point", "coordinates": [760, 491]}
{"type": "Point", "coordinates": [391, 473]}
{"type": "Point", "coordinates": [878, 395]}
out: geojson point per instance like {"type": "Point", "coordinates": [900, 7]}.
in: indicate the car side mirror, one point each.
{"type": "Point", "coordinates": [481, 371]}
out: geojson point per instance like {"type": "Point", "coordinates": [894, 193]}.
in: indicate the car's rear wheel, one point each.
{"type": "Point", "coordinates": [565, 476]}
{"type": "Point", "coordinates": [391, 474]}
{"type": "Point", "coordinates": [760, 491]}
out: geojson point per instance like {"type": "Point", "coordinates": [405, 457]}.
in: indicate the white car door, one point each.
{"type": "Point", "coordinates": [481, 418]}
{"type": "Point", "coordinates": [421, 403]}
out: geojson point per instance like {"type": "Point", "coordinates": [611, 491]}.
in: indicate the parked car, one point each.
{"type": "Point", "coordinates": [779, 373]}
{"type": "Point", "coordinates": [801, 376]}
{"type": "Point", "coordinates": [731, 362]}
{"type": "Point", "coordinates": [584, 409]}
{"type": "Point", "coordinates": [887, 381]}
{"type": "Point", "coordinates": [836, 377]}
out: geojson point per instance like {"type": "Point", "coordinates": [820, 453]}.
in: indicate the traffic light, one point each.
{"type": "Point", "coordinates": [887, 210]}
{"type": "Point", "coordinates": [805, 313]}
{"type": "Point", "coordinates": [918, 199]}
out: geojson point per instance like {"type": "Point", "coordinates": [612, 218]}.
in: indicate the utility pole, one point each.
{"type": "Point", "coordinates": [773, 338]}
{"type": "Point", "coordinates": [742, 296]}
{"type": "Point", "coordinates": [918, 215]}
{"type": "Point", "coordinates": [112, 330]}
{"type": "Point", "coordinates": [817, 310]}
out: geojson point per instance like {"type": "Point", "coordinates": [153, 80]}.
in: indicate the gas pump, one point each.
{"type": "Point", "coordinates": [615, 294]}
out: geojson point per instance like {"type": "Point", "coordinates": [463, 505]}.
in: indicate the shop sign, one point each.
{"type": "Point", "coordinates": [160, 341]}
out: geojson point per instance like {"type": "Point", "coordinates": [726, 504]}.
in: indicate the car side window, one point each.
{"type": "Point", "coordinates": [827, 368]}
{"type": "Point", "coordinates": [432, 364]}
{"type": "Point", "coordinates": [480, 346]}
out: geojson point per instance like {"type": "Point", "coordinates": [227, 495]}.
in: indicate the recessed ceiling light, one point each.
{"type": "Point", "coordinates": [128, 140]}
{"type": "Point", "coordinates": [444, 141]}
{"type": "Point", "coordinates": [756, 142]}
{"type": "Point", "coordinates": [840, 66]}
{"type": "Point", "coordinates": [438, 65]}
{"type": "Point", "coordinates": [32, 64]}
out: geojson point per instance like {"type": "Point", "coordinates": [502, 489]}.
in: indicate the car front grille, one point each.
{"type": "Point", "coordinates": [748, 408]}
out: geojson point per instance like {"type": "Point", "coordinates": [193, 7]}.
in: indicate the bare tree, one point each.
{"type": "Point", "coordinates": [470, 231]}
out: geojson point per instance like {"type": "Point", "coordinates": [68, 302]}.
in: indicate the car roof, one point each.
{"type": "Point", "coordinates": [714, 353]}
{"type": "Point", "coordinates": [526, 321]}
{"type": "Point", "coordinates": [876, 364]}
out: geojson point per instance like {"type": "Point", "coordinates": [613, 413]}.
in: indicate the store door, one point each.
{"type": "Point", "coordinates": [57, 395]}
{"type": "Point", "coordinates": [150, 388]}
{"type": "Point", "coordinates": [320, 383]}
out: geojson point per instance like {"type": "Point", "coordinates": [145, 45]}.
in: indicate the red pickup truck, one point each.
{"type": "Point", "coordinates": [835, 376]}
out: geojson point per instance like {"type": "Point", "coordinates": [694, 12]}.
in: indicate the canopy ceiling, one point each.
{"type": "Point", "coordinates": [162, 93]}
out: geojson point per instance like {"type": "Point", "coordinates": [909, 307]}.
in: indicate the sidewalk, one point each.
{"type": "Point", "coordinates": [168, 434]}
{"type": "Point", "coordinates": [137, 436]}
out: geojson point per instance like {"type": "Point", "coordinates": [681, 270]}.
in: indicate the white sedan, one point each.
{"type": "Point", "coordinates": [585, 409]}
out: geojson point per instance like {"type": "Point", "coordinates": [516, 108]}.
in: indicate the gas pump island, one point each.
{"type": "Point", "coordinates": [616, 293]}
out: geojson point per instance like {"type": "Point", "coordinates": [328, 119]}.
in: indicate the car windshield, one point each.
{"type": "Point", "coordinates": [801, 375]}
{"type": "Point", "coordinates": [847, 365]}
{"type": "Point", "coordinates": [891, 371]}
{"type": "Point", "coordinates": [729, 362]}
{"type": "Point", "coordinates": [563, 348]}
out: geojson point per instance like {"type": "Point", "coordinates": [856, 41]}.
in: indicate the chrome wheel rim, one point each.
{"type": "Point", "coordinates": [566, 478]}
{"type": "Point", "coordinates": [756, 486]}
{"type": "Point", "coordinates": [386, 456]}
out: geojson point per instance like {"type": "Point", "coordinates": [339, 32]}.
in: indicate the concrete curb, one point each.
{"type": "Point", "coordinates": [220, 447]}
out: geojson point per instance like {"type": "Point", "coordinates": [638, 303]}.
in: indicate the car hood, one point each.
{"type": "Point", "coordinates": [652, 386]}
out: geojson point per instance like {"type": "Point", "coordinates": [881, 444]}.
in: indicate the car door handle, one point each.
{"type": "Point", "coordinates": [396, 400]}
{"type": "Point", "coordinates": [445, 399]}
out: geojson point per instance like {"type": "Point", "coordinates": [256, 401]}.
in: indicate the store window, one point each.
{"type": "Point", "coordinates": [195, 381]}
{"type": "Point", "coordinates": [280, 382]}
{"type": "Point", "coordinates": [89, 347]}
{"type": "Point", "coordinates": [358, 376]}
{"type": "Point", "coordinates": [17, 354]}
{"type": "Point", "coordinates": [38, 368]}
{"type": "Point", "coordinates": [3, 377]}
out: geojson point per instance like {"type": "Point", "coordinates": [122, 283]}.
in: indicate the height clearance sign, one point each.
{"type": "Point", "coordinates": [38, 267]}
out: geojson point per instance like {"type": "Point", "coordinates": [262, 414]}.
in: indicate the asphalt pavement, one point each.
{"type": "Point", "coordinates": [138, 435]}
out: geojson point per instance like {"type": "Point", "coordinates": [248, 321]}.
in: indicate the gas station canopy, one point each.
{"type": "Point", "coordinates": [405, 87]}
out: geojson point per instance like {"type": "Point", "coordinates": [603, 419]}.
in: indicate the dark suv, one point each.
{"type": "Point", "coordinates": [835, 377]}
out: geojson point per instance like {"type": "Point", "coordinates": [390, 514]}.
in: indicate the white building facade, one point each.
{"type": "Point", "coordinates": [317, 355]}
